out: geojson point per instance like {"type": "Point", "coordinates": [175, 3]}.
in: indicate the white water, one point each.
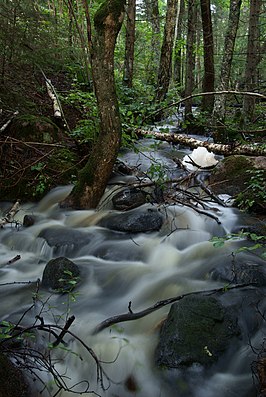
{"type": "Point", "coordinates": [116, 269]}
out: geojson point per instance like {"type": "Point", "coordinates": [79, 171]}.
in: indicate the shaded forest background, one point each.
{"type": "Point", "coordinates": [165, 51]}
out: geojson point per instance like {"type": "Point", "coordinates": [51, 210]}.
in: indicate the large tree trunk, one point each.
{"type": "Point", "coordinates": [218, 148]}
{"type": "Point", "coordinates": [130, 42]}
{"type": "Point", "coordinates": [165, 67]}
{"type": "Point", "coordinates": [190, 55]}
{"type": "Point", "coordinates": [229, 44]}
{"type": "Point", "coordinates": [208, 79]}
{"type": "Point", "coordinates": [95, 175]}
{"type": "Point", "coordinates": [253, 58]}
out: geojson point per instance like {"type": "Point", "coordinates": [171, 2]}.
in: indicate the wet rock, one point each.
{"type": "Point", "coordinates": [65, 241]}
{"type": "Point", "coordinates": [60, 274]}
{"type": "Point", "coordinates": [28, 220]}
{"type": "Point", "coordinates": [128, 199]}
{"type": "Point", "coordinates": [12, 381]}
{"type": "Point", "coordinates": [198, 330]}
{"type": "Point", "coordinates": [134, 222]}
{"type": "Point", "coordinates": [241, 273]}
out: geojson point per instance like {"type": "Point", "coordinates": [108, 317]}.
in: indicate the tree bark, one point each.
{"type": "Point", "coordinates": [153, 16]}
{"type": "Point", "coordinates": [253, 58]}
{"type": "Point", "coordinates": [130, 42]}
{"type": "Point", "coordinates": [95, 175]}
{"type": "Point", "coordinates": [179, 45]}
{"type": "Point", "coordinates": [248, 150]}
{"type": "Point", "coordinates": [190, 55]}
{"type": "Point", "coordinates": [165, 67]}
{"type": "Point", "coordinates": [208, 79]}
{"type": "Point", "coordinates": [229, 44]}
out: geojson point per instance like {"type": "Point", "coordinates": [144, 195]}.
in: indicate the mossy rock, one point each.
{"type": "Point", "coordinates": [34, 128]}
{"type": "Point", "coordinates": [243, 178]}
{"type": "Point", "coordinates": [12, 381]}
{"type": "Point", "coordinates": [60, 274]}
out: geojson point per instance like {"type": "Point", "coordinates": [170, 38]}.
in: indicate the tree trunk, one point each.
{"type": "Point", "coordinates": [130, 42]}
{"type": "Point", "coordinates": [229, 44]}
{"type": "Point", "coordinates": [95, 175]}
{"type": "Point", "coordinates": [253, 58]}
{"type": "Point", "coordinates": [165, 67]}
{"type": "Point", "coordinates": [153, 16]}
{"type": "Point", "coordinates": [208, 79]}
{"type": "Point", "coordinates": [248, 150]}
{"type": "Point", "coordinates": [190, 55]}
{"type": "Point", "coordinates": [179, 45]}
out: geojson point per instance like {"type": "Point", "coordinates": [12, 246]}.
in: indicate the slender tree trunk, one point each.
{"type": "Point", "coordinates": [153, 16]}
{"type": "Point", "coordinates": [190, 55]}
{"type": "Point", "coordinates": [165, 67]}
{"type": "Point", "coordinates": [208, 79]}
{"type": "Point", "coordinates": [130, 42]}
{"type": "Point", "coordinates": [229, 44]}
{"type": "Point", "coordinates": [179, 45]}
{"type": "Point", "coordinates": [253, 58]}
{"type": "Point", "coordinates": [95, 175]}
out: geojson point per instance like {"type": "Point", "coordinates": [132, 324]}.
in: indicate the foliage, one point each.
{"type": "Point", "coordinates": [256, 242]}
{"type": "Point", "coordinates": [255, 193]}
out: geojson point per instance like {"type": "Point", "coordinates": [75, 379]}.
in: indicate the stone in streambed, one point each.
{"type": "Point", "coordinates": [59, 273]}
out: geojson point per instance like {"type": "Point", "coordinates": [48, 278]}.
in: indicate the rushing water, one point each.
{"type": "Point", "coordinates": [118, 268]}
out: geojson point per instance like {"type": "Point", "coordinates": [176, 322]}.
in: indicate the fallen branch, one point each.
{"type": "Point", "coordinates": [53, 96]}
{"type": "Point", "coordinates": [248, 150]}
{"type": "Point", "coordinates": [2, 129]}
{"type": "Point", "coordinates": [130, 316]}
{"type": "Point", "coordinates": [177, 103]}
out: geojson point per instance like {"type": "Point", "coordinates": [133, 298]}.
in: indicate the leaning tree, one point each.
{"type": "Point", "coordinates": [94, 176]}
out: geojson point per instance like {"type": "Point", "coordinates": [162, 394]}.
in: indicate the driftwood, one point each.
{"type": "Point", "coordinates": [248, 150]}
{"type": "Point", "coordinates": [9, 217]}
{"type": "Point", "coordinates": [130, 315]}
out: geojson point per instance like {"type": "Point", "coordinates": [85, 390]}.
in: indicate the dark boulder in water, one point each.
{"type": "Point", "coordinates": [133, 222]}
{"type": "Point", "coordinates": [60, 274]}
{"type": "Point", "coordinates": [128, 199]}
{"type": "Point", "coordinates": [198, 330]}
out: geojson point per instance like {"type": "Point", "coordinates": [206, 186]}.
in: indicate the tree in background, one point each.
{"type": "Point", "coordinates": [179, 46]}
{"type": "Point", "coordinates": [253, 58]}
{"type": "Point", "coordinates": [165, 66]}
{"type": "Point", "coordinates": [190, 55]}
{"type": "Point", "coordinates": [130, 43]}
{"type": "Point", "coordinates": [208, 78]}
{"type": "Point", "coordinates": [228, 52]}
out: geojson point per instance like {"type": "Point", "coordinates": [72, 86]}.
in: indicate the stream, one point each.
{"type": "Point", "coordinates": [118, 268]}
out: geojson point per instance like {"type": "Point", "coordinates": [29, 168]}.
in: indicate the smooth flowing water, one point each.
{"type": "Point", "coordinates": [118, 268]}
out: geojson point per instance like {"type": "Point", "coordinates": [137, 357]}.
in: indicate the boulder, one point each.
{"type": "Point", "coordinates": [133, 222]}
{"type": "Point", "coordinates": [241, 273]}
{"type": "Point", "coordinates": [232, 176]}
{"type": "Point", "coordinates": [198, 330]}
{"type": "Point", "coordinates": [12, 381]}
{"type": "Point", "coordinates": [65, 241]}
{"type": "Point", "coordinates": [128, 199]}
{"type": "Point", "coordinates": [60, 274]}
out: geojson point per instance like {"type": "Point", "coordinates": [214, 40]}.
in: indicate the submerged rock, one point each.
{"type": "Point", "coordinates": [198, 330]}
{"type": "Point", "coordinates": [61, 274]}
{"type": "Point", "coordinates": [134, 222]}
{"type": "Point", "coordinates": [65, 241]}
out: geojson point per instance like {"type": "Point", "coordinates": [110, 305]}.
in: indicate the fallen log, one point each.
{"type": "Point", "coordinates": [9, 217]}
{"type": "Point", "coordinates": [217, 148]}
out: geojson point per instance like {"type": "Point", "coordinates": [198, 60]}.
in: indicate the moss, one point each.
{"type": "Point", "coordinates": [108, 7]}
{"type": "Point", "coordinates": [12, 382]}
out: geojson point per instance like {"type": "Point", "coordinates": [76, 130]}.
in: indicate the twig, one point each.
{"type": "Point", "coordinates": [2, 129]}
{"type": "Point", "coordinates": [130, 316]}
